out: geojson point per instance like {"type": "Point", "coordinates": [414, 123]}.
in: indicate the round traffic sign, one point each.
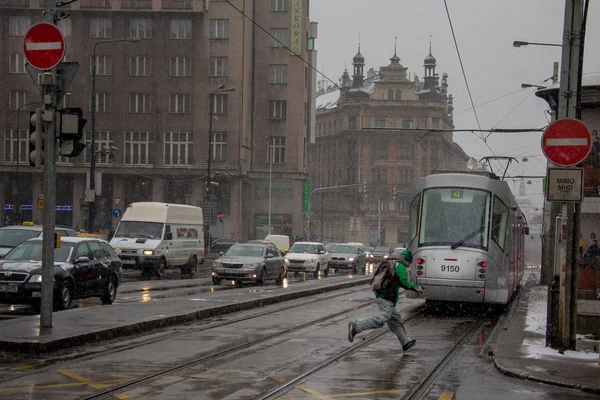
{"type": "Point", "coordinates": [566, 142]}
{"type": "Point", "coordinates": [117, 213]}
{"type": "Point", "coordinates": [43, 46]}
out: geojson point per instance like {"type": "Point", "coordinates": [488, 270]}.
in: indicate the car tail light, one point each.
{"type": "Point", "coordinates": [420, 261]}
{"type": "Point", "coordinates": [480, 291]}
{"type": "Point", "coordinates": [419, 273]}
{"type": "Point", "coordinates": [483, 264]}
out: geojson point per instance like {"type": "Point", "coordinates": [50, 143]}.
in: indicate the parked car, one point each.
{"type": "Point", "coordinates": [308, 257]}
{"type": "Point", "coordinates": [83, 267]}
{"type": "Point", "coordinates": [381, 253]}
{"type": "Point", "coordinates": [250, 262]}
{"type": "Point", "coordinates": [369, 253]}
{"type": "Point", "coordinates": [222, 244]}
{"type": "Point", "coordinates": [12, 236]}
{"type": "Point", "coordinates": [344, 256]}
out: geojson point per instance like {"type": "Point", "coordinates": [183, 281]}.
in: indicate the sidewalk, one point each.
{"type": "Point", "coordinates": [521, 350]}
{"type": "Point", "coordinates": [84, 325]}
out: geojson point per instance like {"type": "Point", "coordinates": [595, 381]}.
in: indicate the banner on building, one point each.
{"type": "Point", "coordinates": [296, 31]}
{"type": "Point", "coordinates": [305, 195]}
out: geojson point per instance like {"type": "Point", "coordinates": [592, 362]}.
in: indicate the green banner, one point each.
{"type": "Point", "coordinates": [305, 195]}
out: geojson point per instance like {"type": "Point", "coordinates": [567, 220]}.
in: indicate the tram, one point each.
{"type": "Point", "coordinates": [467, 235]}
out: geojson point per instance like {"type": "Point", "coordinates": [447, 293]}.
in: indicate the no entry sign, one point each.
{"type": "Point", "coordinates": [566, 142]}
{"type": "Point", "coordinates": [43, 46]}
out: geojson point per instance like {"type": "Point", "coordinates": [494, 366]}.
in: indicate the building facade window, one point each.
{"type": "Point", "coordinates": [435, 123]}
{"type": "Point", "coordinates": [280, 37]}
{"type": "Point", "coordinates": [140, 28]}
{"type": "Point", "coordinates": [219, 29]}
{"type": "Point", "coordinates": [398, 95]}
{"type": "Point", "coordinates": [140, 66]}
{"type": "Point", "coordinates": [406, 151]}
{"type": "Point", "coordinates": [179, 148]}
{"type": "Point", "coordinates": [219, 103]}
{"type": "Point", "coordinates": [280, 5]}
{"type": "Point", "coordinates": [403, 204]}
{"type": "Point", "coordinates": [180, 66]}
{"type": "Point", "coordinates": [102, 140]}
{"type": "Point", "coordinates": [277, 109]}
{"type": "Point", "coordinates": [219, 146]}
{"type": "Point", "coordinates": [405, 175]}
{"type": "Point", "coordinates": [138, 148]}
{"type": "Point", "coordinates": [390, 94]}
{"type": "Point", "coordinates": [139, 103]}
{"type": "Point", "coordinates": [65, 27]}
{"type": "Point", "coordinates": [407, 123]}
{"type": "Point", "coordinates": [181, 29]}
{"type": "Point", "coordinates": [379, 122]}
{"type": "Point", "coordinates": [101, 28]}
{"type": "Point", "coordinates": [352, 122]}
{"type": "Point", "coordinates": [276, 150]}
{"type": "Point", "coordinates": [18, 25]}
{"type": "Point", "coordinates": [379, 176]}
{"type": "Point", "coordinates": [16, 64]}
{"type": "Point", "coordinates": [379, 151]}
{"type": "Point", "coordinates": [103, 102]}
{"type": "Point", "coordinates": [180, 103]}
{"type": "Point", "coordinates": [219, 66]}
{"type": "Point", "coordinates": [103, 65]}
{"type": "Point", "coordinates": [278, 73]}
{"type": "Point", "coordinates": [16, 98]}
{"type": "Point", "coordinates": [16, 145]}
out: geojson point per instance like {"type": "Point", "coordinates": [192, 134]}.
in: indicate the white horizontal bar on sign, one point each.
{"type": "Point", "coordinates": [44, 46]}
{"type": "Point", "coordinates": [567, 142]}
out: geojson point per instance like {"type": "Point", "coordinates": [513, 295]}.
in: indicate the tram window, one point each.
{"type": "Point", "coordinates": [415, 212]}
{"type": "Point", "coordinates": [499, 222]}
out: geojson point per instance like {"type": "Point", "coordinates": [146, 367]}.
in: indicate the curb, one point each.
{"type": "Point", "coordinates": [35, 347]}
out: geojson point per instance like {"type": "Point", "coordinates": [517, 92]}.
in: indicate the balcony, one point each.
{"type": "Point", "coordinates": [87, 4]}
{"type": "Point", "coordinates": [14, 3]}
{"type": "Point", "coordinates": [177, 4]}
{"type": "Point", "coordinates": [136, 4]}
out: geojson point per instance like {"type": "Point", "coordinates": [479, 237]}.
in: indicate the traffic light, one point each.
{"type": "Point", "coordinates": [394, 193]}
{"type": "Point", "coordinates": [70, 124]}
{"type": "Point", "coordinates": [364, 187]}
{"type": "Point", "coordinates": [220, 218]}
{"type": "Point", "coordinates": [36, 147]}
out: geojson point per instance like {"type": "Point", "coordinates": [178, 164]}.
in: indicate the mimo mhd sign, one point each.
{"type": "Point", "coordinates": [565, 184]}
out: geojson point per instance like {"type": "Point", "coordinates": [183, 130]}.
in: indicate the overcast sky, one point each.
{"type": "Point", "coordinates": [485, 31]}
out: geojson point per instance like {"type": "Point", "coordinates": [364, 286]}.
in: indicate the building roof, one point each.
{"type": "Point", "coordinates": [329, 101]}
{"type": "Point", "coordinates": [589, 79]}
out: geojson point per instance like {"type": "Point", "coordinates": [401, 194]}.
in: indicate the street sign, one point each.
{"type": "Point", "coordinates": [566, 142]}
{"type": "Point", "coordinates": [65, 72]}
{"type": "Point", "coordinates": [40, 204]}
{"type": "Point", "coordinates": [43, 46]}
{"type": "Point", "coordinates": [565, 184]}
{"type": "Point", "coordinates": [305, 195]}
{"type": "Point", "coordinates": [117, 201]}
{"type": "Point", "coordinates": [117, 213]}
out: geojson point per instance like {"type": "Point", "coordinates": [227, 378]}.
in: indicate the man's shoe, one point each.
{"type": "Point", "coordinates": [351, 331]}
{"type": "Point", "coordinates": [408, 345]}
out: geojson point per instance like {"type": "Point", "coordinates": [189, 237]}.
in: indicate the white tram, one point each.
{"type": "Point", "coordinates": [467, 237]}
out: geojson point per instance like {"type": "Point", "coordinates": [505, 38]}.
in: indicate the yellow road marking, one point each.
{"type": "Point", "coordinates": [340, 395]}
{"type": "Point", "coordinates": [82, 379]}
{"type": "Point", "coordinates": [446, 396]}
{"type": "Point", "coordinates": [60, 385]}
{"type": "Point", "coordinates": [28, 366]}
{"type": "Point", "coordinates": [315, 393]}
{"type": "Point", "coordinates": [123, 397]}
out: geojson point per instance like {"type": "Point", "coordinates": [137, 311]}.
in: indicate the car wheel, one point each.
{"type": "Point", "coordinates": [262, 277]}
{"type": "Point", "coordinates": [160, 269]}
{"type": "Point", "coordinates": [189, 270]}
{"type": "Point", "coordinates": [279, 280]}
{"type": "Point", "coordinates": [64, 296]}
{"type": "Point", "coordinates": [110, 292]}
{"type": "Point", "coordinates": [216, 281]}
{"type": "Point", "coordinates": [326, 271]}
{"type": "Point", "coordinates": [355, 268]}
{"type": "Point", "coordinates": [316, 273]}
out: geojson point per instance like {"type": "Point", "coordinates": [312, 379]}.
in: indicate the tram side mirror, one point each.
{"type": "Point", "coordinates": [526, 230]}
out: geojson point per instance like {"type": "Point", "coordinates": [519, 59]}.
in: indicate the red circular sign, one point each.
{"type": "Point", "coordinates": [43, 46]}
{"type": "Point", "coordinates": [566, 142]}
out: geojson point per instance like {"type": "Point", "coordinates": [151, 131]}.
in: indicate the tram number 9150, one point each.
{"type": "Point", "coordinates": [450, 268]}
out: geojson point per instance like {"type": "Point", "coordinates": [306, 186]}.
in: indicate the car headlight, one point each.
{"type": "Point", "coordinates": [385, 256]}
{"type": "Point", "coordinates": [217, 264]}
{"type": "Point", "coordinates": [148, 252]}
{"type": "Point", "coordinates": [255, 265]}
{"type": "Point", "coordinates": [286, 260]}
{"type": "Point", "coordinates": [351, 259]}
{"type": "Point", "coordinates": [35, 279]}
{"type": "Point", "coordinates": [309, 261]}
{"type": "Point", "coordinates": [370, 255]}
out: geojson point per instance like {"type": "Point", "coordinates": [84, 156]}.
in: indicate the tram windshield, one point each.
{"type": "Point", "coordinates": [455, 217]}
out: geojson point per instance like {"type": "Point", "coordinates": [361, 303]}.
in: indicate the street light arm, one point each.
{"type": "Point", "coordinates": [519, 43]}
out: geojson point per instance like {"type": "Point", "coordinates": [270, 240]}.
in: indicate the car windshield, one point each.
{"type": "Point", "coordinates": [382, 249]}
{"type": "Point", "coordinates": [344, 249]}
{"type": "Point", "coordinates": [32, 251]}
{"type": "Point", "coordinates": [368, 248]}
{"type": "Point", "coordinates": [304, 248]}
{"type": "Point", "coordinates": [245, 251]}
{"type": "Point", "coordinates": [14, 237]}
{"type": "Point", "coordinates": [135, 229]}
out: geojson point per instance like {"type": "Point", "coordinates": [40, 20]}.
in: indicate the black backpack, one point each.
{"type": "Point", "coordinates": [384, 278]}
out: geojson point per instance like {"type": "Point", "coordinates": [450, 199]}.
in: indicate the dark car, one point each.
{"type": "Point", "coordinates": [12, 236]}
{"type": "Point", "coordinates": [250, 262]}
{"type": "Point", "coordinates": [83, 267]}
{"type": "Point", "coordinates": [222, 244]}
{"type": "Point", "coordinates": [381, 253]}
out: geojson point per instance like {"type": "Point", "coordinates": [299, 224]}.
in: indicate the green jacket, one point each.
{"type": "Point", "coordinates": [402, 281]}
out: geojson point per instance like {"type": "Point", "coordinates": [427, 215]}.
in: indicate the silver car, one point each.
{"type": "Point", "coordinates": [249, 262]}
{"type": "Point", "coordinates": [347, 256]}
{"type": "Point", "coordinates": [308, 257]}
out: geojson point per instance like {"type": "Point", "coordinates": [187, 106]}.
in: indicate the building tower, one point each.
{"type": "Point", "coordinates": [358, 90]}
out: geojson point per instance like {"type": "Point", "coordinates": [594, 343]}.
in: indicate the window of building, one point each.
{"type": "Point", "coordinates": [139, 103]}
{"type": "Point", "coordinates": [278, 73]}
{"type": "Point", "coordinates": [16, 64]}
{"type": "Point", "coordinates": [140, 28]}
{"type": "Point", "coordinates": [179, 148]}
{"type": "Point", "coordinates": [376, 204]}
{"type": "Point", "coordinates": [102, 140]}
{"type": "Point", "coordinates": [405, 175]}
{"type": "Point", "coordinates": [18, 25]}
{"type": "Point", "coordinates": [398, 94]}
{"type": "Point", "coordinates": [280, 37]}
{"type": "Point", "coordinates": [406, 123]}
{"type": "Point", "coordinates": [403, 204]}
{"type": "Point", "coordinates": [219, 29]}
{"type": "Point", "coordinates": [219, 144]}
{"type": "Point", "coordinates": [181, 29]}
{"type": "Point", "coordinates": [276, 150]}
{"type": "Point", "coordinates": [64, 25]}
{"type": "Point", "coordinates": [16, 145]}
{"type": "Point", "coordinates": [140, 66]}
{"type": "Point", "coordinates": [378, 175]}
{"type": "Point", "coordinates": [16, 98]}
{"type": "Point", "coordinates": [277, 109]}
{"type": "Point", "coordinates": [180, 66]}
{"type": "Point", "coordinates": [379, 122]}
{"type": "Point", "coordinates": [390, 94]}
{"type": "Point", "coordinates": [138, 148]}
{"type": "Point", "coordinates": [435, 150]}
{"type": "Point", "coordinates": [435, 123]}
{"type": "Point", "coordinates": [100, 28]}
{"type": "Point", "coordinates": [219, 103]}
{"type": "Point", "coordinates": [103, 102]}
{"type": "Point", "coordinates": [103, 65]}
{"type": "Point", "coordinates": [352, 122]}
{"type": "Point", "coordinates": [406, 151]}
{"type": "Point", "coordinates": [379, 150]}
{"type": "Point", "coordinates": [180, 103]}
{"type": "Point", "coordinates": [280, 5]}
{"type": "Point", "coordinates": [219, 66]}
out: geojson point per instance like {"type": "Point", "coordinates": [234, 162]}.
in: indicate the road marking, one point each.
{"type": "Point", "coordinates": [60, 385]}
{"type": "Point", "coordinates": [82, 379]}
{"type": "Point", "coordinates": [28, 366]}
{"type": "Point", "coordinates": [123, 397]}
{"type": "Point", "coordinates": [317, 395]}
{"type": "Point", "coordinates": [43, 46]}
{"type": "Point", "coordinates": [567, 142]}
{"type": "Point", "coordinates": [446, 396]}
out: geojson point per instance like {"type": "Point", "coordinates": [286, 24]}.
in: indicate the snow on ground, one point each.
{"type": "Point", "coordinates": [537, 311]}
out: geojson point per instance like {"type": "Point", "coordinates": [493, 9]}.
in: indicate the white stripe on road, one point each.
{"type": "Point", "coordinates": [44, 46]}
{"type": "Point", "coordinates": [567, 142]}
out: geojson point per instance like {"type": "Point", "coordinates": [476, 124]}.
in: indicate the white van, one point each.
{"type": "Point", "coordinates": [281, 241]}
{"type": "Point", "coordinates": [155, 236]}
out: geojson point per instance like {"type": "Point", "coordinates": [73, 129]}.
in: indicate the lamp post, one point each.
{"type": "Point", "coordinates": [519, 43]}
{"type": "Point", "coordinates": [271, 153]}
{"type": "Point", "coordinates": [527, 85]}
{"type": "Point", "coordinates": [92, 208]}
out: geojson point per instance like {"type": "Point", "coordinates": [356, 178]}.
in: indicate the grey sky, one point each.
{"type": "Point", "coordinates": [485, 31]}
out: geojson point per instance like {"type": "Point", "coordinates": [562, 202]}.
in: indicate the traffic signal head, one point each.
{"type": "Point", "coordinates": [36, 138]}
{"type": "Point", "coordinates": [70, 129]}
{"type": "Point", "coordinates": [364, 186]}
{"type": "Point", "coordinates": [220, 218]}
{"type": "Point", "coordinates": [394, 193]}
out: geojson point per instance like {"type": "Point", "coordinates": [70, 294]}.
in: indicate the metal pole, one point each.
{"type": "Point", "coordinates": [92, 206]}
{"type": "Point", "coordinates": [208, 177]}
{"type": "Point", "coordinates": [270, 151]}
{"type": "Point", "coordinates": [379, 223]}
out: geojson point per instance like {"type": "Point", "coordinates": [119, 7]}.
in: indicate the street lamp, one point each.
{"type": "Point", "coordinates": [91, 213]}
{"type": "Point", "coordinates": [271, 154]}
{"type": "Point", "coordinates": [519, 43]}
{"type": "Point", "coordinates": [527, 85]}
